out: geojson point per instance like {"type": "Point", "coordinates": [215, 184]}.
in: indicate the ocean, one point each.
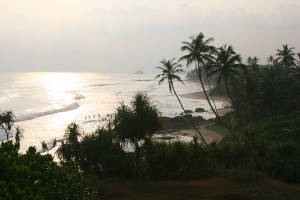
{"type": "Point", "coordinates": [45, 103]}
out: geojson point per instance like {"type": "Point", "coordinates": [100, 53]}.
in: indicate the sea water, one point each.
{"type": "Point", "coordinates": [45, 103]}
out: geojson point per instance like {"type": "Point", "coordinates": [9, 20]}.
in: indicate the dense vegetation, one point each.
{"type": "Point", "coordinates": [262, 141]}
{"type": "Point", "coordinates": [35, 176]}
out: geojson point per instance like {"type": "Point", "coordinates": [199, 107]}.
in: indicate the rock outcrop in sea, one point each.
{"type": "Point", "coordinates": [139, 72]}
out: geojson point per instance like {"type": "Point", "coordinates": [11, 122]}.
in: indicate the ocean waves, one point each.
{"type": "Point", "coordinates": [37, 114]}
{"type": "Point", "coordinates": [104, 84]}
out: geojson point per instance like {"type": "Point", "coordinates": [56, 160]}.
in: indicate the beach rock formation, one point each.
{"type": "Point", "coordinates": [179, 121]}
{"type": "Point", "coordinates": [199, 110]}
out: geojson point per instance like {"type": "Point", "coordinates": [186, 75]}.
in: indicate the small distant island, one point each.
{"type": "Point", "coordinates": [139, 72]}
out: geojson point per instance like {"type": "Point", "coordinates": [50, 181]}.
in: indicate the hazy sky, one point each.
{"type": "Point", "coordinates": [127, 35]}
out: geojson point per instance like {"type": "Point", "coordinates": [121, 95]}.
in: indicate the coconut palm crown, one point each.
{"type": "Point", "coordinates": [286, 56]}
{"type": "Point", "coordinates": [270, 59]}
{"type": "Point", "coordinates": [169, 71]}
{"type": "Point", "coordinates": [228, 65]}
{"type": "Point", "coordinates": [199, 51]}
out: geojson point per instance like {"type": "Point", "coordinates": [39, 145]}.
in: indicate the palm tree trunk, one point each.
{"type": "Point", "coordinates": [228, 93]}
{"type": "Point", "coordinates": [212, 98]}
{"type": "Point", "coordinates": [214, 111]}
{"type": "Point", "coordinates": [191, 120]}
{"type": "Point", "coordinates": [137, 158]}
{"type": "Point", "coordinates": [7, 134]}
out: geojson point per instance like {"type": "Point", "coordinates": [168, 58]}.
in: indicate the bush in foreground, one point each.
{"type": "Point", "coordinates": [36, 176]}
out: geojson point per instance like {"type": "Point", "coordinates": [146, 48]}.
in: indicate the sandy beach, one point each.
{"type": "Point", "coordinates": [200, 95]}
{"type": "Point", "coordinates": [209, 136]}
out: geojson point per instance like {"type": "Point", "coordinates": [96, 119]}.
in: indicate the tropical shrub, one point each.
{"type": "Point", "coordinates": [36, 176]}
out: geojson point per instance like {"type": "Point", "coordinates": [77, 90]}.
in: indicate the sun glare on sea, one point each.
{"type": "Point", "coordinates": [62, 87]}
{"type": "Point", "coordinates": [61, 81]}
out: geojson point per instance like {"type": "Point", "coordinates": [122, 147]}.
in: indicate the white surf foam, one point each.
{"type": "Point", "coordinates": [34, 115]}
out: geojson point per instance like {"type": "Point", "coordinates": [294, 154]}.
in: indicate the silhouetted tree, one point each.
{"type": "Point", "coordinates": [200, 53]}
{"type": "Point", "coordinates": [169, 71]}
{"type": "Point", "coordinates": [44, 146]}
{"type": "Point", "coordinates": [7, 120]}
{"type": "Point", "coordinates": [252, 63]}
{"type": "Point", "coordinates": [227, 66]}
{"type": "Point", "coordinates": [136, 122]}
{"type": "Point", "coordinates": [286, 56]}
{"type": "Point", "coordinates": [18, 134]}
{"type": "Point", "coordinates": [70, 148]}
{"type": "Point", "coordinates": [270, 59]}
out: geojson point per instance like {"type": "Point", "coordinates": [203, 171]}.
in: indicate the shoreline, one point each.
{"type": "Point", "coordinates": [217, 98]}
{"type": "Point", "coordinates": [201, 96]}
{"type": "Point", "coordinates": [210, 136]}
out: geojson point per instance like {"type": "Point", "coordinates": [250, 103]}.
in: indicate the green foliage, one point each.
{"type": "Point", "coordinates": [269, 92]}
{"type": "Point", "coordinates": [102, 155]}
{"type": "Point", "coordinates": [70, 148]}
{"type": "Point", "coordinates": [101, 152]}
{"type": "Point", "coordinates": [282, 162]}
{"type": "Point", "coordinates": [230, 155]}
{"type": "Point", "coordinates": [137, 121]}
{"type": "Point", "coordinates": [226, 66]}
{"type": "Point", "coordinates": [35, 176]}
{"type": "Point", "coordinates": [178, 160]}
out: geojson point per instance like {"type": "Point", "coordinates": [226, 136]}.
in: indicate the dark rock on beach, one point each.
{"type": "Point", "coordinates": [179, 122]}
{"type": "Point", "coordinates": [199, 110]}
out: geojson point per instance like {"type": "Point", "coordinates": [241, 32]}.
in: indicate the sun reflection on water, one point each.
{"type": "Point", "coordinates": [61, 81]}
{"type": "Point", "coordinates": [61, 86]}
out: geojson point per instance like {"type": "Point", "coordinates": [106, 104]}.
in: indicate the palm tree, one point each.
{"type": "Point", "coordinates": [136, 122]}
{"type": "Point", "coordinates": [201, 54]}
{"type": "Point", "coordinates": [227, 66]}
{"type": "Point", "coordinates": [70, 148]}
{"type": "Point", "coordinates": [7, 119]}
{"type": "Point", "coordinates": [249, 61]}
{"type": "Point", "coordinates": [169, 71]}
{"type": "Point", "coordinates": [18, 134]}
{"type": "Point", "coordinates": [44, 146]}
{"type": "Point", "coordinates": [146, 121]}
{"type": "Point", "coordinates": [286, 56]}
{"type": "Point", "coordinates": [252, 62]}
{"type": "Point", "coordinates": [255, 61]}
{"type": "Point", "coordinates": [270, 59]}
